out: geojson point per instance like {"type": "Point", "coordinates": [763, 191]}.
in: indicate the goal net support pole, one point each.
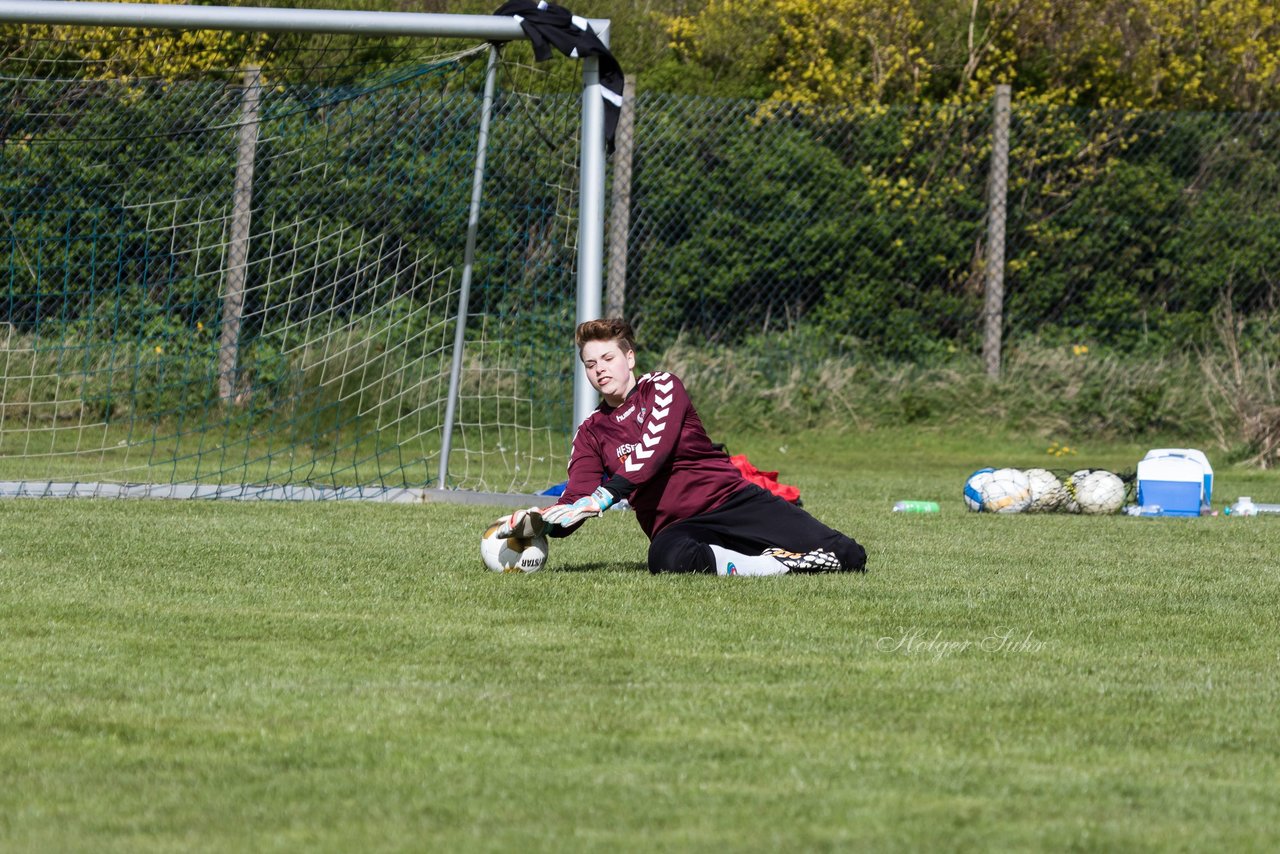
{"type": "Point", "coordinates": [468, 267]}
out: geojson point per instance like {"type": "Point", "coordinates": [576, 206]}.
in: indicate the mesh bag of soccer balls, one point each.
{"type": "Point", "coordinates": [1036, 490]}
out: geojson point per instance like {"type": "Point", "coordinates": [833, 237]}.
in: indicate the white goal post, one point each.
{"type": "Point", "coordinates": [589, 214]}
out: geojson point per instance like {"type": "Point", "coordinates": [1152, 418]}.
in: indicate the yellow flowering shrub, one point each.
{"type": "Point", "coordinates": [1175, 54]}
{"type": "Point", "coordinates": [154, 53]}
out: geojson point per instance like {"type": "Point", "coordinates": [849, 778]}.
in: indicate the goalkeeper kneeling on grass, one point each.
{"type": "Point", "coordinates": [646, 444]}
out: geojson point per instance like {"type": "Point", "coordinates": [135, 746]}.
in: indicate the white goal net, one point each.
{"type": "Point", "coordinates": [260, 264]}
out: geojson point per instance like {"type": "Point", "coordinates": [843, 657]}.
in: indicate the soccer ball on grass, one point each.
{"type": "Point", "coordinates": [973, 488]}
{"type": "Point", "coordinates": [1006, 491]}
{"type": "Point", "coordinates": [512, 554]}
{"type": "Point", "coordinates": [1069, 503]}
{"type": "Point", "coordinates": [1099, 492]}
{"type": "Point", "coordinates": [1047, 492]}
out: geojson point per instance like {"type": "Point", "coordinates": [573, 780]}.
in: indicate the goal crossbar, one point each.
{"type": "Point", "coordinates": [260, 19]}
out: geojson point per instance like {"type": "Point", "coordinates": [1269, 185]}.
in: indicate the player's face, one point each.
{"type": "Point", "coordinates": [609, 369]}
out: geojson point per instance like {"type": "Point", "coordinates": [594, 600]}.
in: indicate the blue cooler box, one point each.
{"type": "Point", "coordinates": [1179, 480]}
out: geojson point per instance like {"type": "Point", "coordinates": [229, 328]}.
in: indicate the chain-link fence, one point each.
{"type": "Point", "coordinates": [874, 231]}
{"type": "Point", "coordinates": [871, 227]}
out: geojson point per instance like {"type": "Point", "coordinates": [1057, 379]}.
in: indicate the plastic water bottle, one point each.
{"type": "Point", "coordinates": [1144, 510]}
{"type": "Point", "coordinates": [916, 507]}
{"type": "Point", "coordinates": [1242, 507]}
{"type": "Point", "coordinates": [1245, 506]}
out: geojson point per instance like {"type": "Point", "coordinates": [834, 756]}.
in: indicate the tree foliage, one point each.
{"type": "Point", "coordinates": [1169, 54]}
{"type": "Point", "coordinates": [1165, 54]}
{"type": "Point", "coordinates": [853, 203]}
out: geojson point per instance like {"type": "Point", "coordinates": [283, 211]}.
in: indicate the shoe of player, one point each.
{"type": "Point", "coordinates": [818, 560]}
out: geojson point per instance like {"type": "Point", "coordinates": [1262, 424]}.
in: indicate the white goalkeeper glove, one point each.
{"type": "Point", "coordinates": [568, 515]}
{"type": "Point", "coordinates": [522, 523]}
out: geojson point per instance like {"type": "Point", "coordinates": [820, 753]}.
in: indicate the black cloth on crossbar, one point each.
{"type": "Point", "coordinates": [548, 25]}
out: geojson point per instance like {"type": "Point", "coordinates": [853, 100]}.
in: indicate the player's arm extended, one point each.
{"type": "Point", "coordinates": [586, 471]}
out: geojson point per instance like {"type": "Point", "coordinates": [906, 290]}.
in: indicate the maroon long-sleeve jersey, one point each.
{"type": "Point", "coordinates": [653, 451]}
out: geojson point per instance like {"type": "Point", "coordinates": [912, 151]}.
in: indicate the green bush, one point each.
{"type": "Point", "coordinates": [792, 382]}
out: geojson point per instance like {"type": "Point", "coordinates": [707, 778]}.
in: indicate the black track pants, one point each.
{"type": "Point", "coordinates": [749, 522]}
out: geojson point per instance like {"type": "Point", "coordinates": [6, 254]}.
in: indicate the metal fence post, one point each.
{"type": "Point", "coordinates": [997, 189]}
{"type": "Point", "coordinates": [620, 208]}
{"type": "Point", "coordinates": [237, 257]}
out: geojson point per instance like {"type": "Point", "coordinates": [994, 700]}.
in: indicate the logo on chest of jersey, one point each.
{"type": "Point", "coordinates": [622, 416]}
{"type": "Point", "coordinates": [624, 451]}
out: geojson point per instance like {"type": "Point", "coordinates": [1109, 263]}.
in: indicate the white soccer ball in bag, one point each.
{"type": "Point", "coordinates": [973, 488]}
{"type": "Point", "coordinates": [1007, 491]}
{"type": "Point", "coordinates": [512, 554]}
{"type": "Point", "coordinates": [1077, 477]}
{"type": "Point", "coordinates": [1099, 492]}
{"type": "Point", "coordinates": [1047, 492]}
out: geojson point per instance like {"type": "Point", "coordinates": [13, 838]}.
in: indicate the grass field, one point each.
{"type": "Point", "coordinates": [205, 676]}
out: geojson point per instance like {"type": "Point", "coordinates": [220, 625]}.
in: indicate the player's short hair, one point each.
{"type": "Point", "coordinates": [606, 329]}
